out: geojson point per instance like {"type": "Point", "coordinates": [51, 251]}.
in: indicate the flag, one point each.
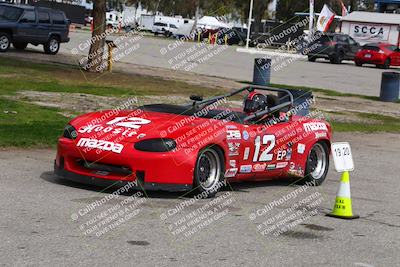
{"type": "Point", "coordinates": [325, 19]}
{"type": "Point", "coordinates": [345, 12]}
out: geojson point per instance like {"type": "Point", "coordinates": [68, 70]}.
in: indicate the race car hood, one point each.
{"type": "Point", "coordinates": [133, 125]}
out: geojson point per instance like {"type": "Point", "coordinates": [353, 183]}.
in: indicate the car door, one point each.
{"type": "Point", "coordinates": [395, 55]}
{"type": "Point", "coordinates": [264, 153]}
{"type": "Point", "coordinates": [354, 47]}
{"type": "Point", "coordinates": [27, 27]}
{"type": "Point", "coordinates": [44, 25]}
{"type": "Point", "coordinates": [345, 45]}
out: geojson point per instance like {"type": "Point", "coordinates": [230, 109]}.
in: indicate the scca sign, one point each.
{"type": "Point", "coordinates": [370, 32]}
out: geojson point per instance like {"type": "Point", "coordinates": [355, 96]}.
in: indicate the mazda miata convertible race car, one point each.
{"type": "Point", "coordinates": [196, 146]}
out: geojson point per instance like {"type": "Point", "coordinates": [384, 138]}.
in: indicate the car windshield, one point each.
{"type": "Point", "coordinates": [325, 39]}
{"type": "Point", "coordinates": [392, 47]}
{"type": "Point", "coordinates": [8, 13]}
{"type": "Point", "coordinates": [371, 47]}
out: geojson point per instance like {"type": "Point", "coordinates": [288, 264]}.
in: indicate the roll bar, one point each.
{"type": "Point", "coordinates": [251, 88]}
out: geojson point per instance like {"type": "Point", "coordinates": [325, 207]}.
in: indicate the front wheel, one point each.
{"type": "Point", "coordinates": [317, 164]}
{"type": "Point", "coordinates": [52, 46]}
{"type": "Point", "coordinates": [209, 171]}
{"type": "Point", "coordinates": [5, 41]}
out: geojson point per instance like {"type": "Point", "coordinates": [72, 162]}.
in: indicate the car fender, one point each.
{"type": "Point", "coordinates": [57, 34]}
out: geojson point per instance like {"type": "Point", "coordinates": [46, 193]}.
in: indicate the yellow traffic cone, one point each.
{"type": "Point", "coordinates": [342, 208]}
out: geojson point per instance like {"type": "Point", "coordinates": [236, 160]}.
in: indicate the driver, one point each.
{"type": "Point", "coordinates": [254, 102]}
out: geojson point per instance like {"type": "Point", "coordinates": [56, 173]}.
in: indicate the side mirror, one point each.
{"type": "Point", "coordinates": [196, 98]}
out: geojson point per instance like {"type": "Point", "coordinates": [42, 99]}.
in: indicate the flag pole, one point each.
{"type": "Point", "coordinates": [249, 24]}
{"type": "Point", "coordinates": [311, 22]}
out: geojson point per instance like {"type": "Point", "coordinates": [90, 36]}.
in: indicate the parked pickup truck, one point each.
{"type": "Point", "coordinates": [23, 24]}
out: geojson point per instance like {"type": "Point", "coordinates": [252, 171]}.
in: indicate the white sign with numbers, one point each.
{"type": "Point", "coordinates": [342, 157]}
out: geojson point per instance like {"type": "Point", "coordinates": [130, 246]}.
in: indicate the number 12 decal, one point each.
{"type": "Point", "coordinates": [268, 140]}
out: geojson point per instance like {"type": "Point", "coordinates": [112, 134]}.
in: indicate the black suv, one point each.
{"type": "Point", "coordinates": [333, 46]}
{"type": "Point", "coordinates": [22, 24]}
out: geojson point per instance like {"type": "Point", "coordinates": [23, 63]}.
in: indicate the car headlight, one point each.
{"type": "Point", "coordinates": [70, 132]}
{"type": "Point", "coordinates": [156, 145]}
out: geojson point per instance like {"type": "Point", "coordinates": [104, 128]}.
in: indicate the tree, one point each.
{"type": "Point", "coordinates": [95, 58]}
{"type": "Point", "coordinates": [259, 10]}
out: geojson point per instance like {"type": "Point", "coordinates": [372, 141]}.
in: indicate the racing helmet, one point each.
{"type": "Point", "coordinates": [254, 102]}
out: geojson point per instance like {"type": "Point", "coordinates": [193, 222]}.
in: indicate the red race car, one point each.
{"type": "Point", "coordinates": [382, 55]}
{"type": "Point", "coordinates": [197, 146]}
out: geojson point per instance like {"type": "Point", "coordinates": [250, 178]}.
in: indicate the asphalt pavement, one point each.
{"type": "Point", "coordinates": [46, 221]}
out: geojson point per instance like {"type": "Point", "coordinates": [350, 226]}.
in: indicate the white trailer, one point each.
{"type": "Point", "coordinates": [129, 16]}
{"type": "Point", "coordinates": [177, 21]}
{"type": "Point", "coordinates": [146, 22]}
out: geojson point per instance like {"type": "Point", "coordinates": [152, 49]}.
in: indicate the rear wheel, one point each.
{"type": "Point", "coordinates": [317, 163]}
{"type": "Point", "coordinates": [52, 46]}
{"type": "Point", "coordinates": [5, 41]}
{"type": "Point", "coordinates": [358, 64]}
{"type": "Point", "coordinates": [386, 64]}
{"type": "Point", "coordinates": [209, 171]}
{"type": "Point", "coordinates": [20, 46]}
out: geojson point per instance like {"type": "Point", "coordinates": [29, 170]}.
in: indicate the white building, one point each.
{"type": "Point", "coordinates": [371, 27]}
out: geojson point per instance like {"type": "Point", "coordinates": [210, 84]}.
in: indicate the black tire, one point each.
{"type": "Point", "coordinates": [337, 58]}
{"type": "Point", "coordinates": [52, 46]}
{"type": "Point", "coordinates": [20, 46]}
{"type": "Point", "coordinates": [386, 64]}
{"type": "Point", "coordinates": [315, 172]}
{"type": "Point", "coordinates": [358, 64]}
{"type": "Point", "coordinates": [311, 59]}
{"type": "Point", "coordinates": [207, 181]}
{"type": "Point", "coordinates": [5, 41]}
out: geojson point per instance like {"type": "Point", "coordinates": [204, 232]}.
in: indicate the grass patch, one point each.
{"type": "Point", "coordinates": [17, 75]}
{"type": "Point", "coordinates": [30, 126]}
{"type": "Point", "coordinates": [385, 124]}
{"type": "Point", "coordinates": [326, 92]}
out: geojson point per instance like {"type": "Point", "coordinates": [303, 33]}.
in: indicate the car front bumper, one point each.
{"type": "Point", "coordinates": [138, 184]}
{"type": "Point", "coordinates": [151, 169]}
